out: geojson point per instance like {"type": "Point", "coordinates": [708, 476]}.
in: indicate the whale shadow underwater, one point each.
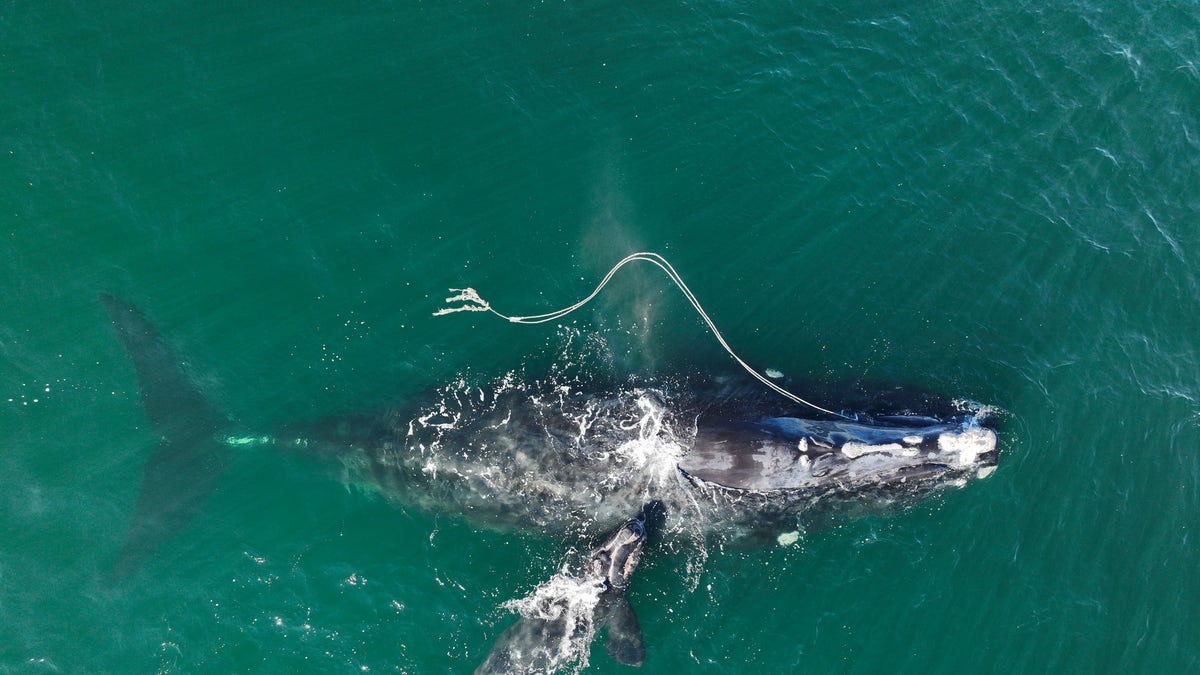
{"type": "Point", "coordinates": [720, 454]}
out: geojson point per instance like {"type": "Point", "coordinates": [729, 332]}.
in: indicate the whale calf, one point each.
{"type": "Point", "coordinates": [577, 603]}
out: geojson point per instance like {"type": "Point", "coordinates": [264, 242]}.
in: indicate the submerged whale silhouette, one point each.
{"type": "Point", "coordinates": [184, 467]}
{"type": "Point", "coordinates": [728, 458]}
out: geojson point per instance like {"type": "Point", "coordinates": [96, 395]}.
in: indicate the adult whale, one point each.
{"type": "Point", "coordinates": [554, 454]}
{"type": "Point", "coordinates": [558, 453]}
{"type": "Point", "coordinates": [567, 454]}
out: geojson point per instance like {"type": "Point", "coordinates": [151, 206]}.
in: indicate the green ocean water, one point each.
{"type": "Point", "coordinates": [992, 201]}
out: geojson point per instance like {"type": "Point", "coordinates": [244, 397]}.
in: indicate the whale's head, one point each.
{"type": "Point", "coordinates": [882, 458]}
{"type": "Point", "coordinates": [617, 557]}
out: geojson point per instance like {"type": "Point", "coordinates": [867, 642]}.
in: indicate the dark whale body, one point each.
{"type": "Point", "coordinates": [571, 455]}
{"type": "Point", "coordinates": [539, 453]}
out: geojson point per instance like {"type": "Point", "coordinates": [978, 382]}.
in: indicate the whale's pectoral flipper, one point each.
{"type": "Point", "coordinates": [181, 471]}
{"type": "Point", "coordinates": [624, 634]}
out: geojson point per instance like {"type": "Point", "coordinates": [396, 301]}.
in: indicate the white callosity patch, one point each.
{"type": "Point", "coordinates": [968, 445]}
{"type": "Point", "coordinates": [855, 450]}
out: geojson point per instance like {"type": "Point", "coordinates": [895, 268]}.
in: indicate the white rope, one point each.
{"type": "Point", "coordinates": [472, 302]}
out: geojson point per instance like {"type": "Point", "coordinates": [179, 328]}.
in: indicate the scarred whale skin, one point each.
{"type": "Point", "coordinates": [521, 451]}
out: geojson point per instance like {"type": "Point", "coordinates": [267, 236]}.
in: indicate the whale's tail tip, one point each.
{"type": "Point", "coordinates": [182, 469]}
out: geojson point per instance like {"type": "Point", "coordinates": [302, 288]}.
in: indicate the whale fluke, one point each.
{"type": "Point", "coordinates": [183, 468]}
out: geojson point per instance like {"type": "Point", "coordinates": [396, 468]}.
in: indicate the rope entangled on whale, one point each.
{"type": "Point", "coordinates": [473, 302]}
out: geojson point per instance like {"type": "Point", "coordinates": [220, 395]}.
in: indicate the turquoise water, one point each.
{"type": "Point", "coordinates": [993, 201]}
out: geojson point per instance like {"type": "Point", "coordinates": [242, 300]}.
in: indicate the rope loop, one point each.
{"type": "Point", "coordinates": [472, 302]}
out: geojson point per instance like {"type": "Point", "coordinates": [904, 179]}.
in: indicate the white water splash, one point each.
{"type": "Point", "coordinates": [564, 609]}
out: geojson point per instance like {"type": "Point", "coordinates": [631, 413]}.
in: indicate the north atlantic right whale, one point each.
{"type": "Point", "coordinates": [570, 608]}
{"type": "Point", "coordinates": [559, 454]}
{"type": "Point", "coordinates": [569, 454]}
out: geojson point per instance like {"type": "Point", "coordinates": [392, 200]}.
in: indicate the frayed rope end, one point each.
{"type": "Point", "coordinates": [470, 299]}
